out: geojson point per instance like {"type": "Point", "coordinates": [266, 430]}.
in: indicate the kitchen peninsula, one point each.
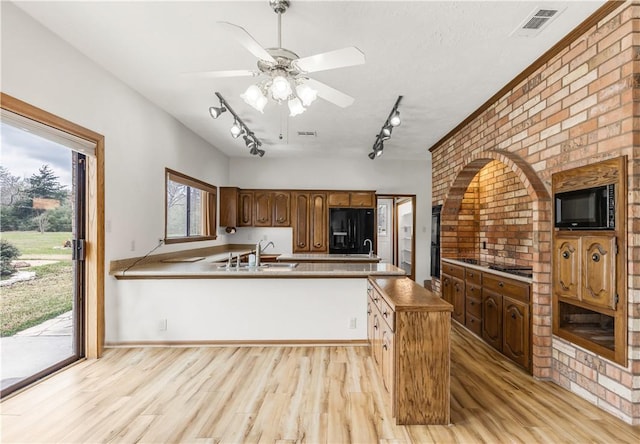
{"type": "Point", "coordinates": [204, 299]}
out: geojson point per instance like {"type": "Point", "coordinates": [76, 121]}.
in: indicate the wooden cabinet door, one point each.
{"type": "Point", "coordinates": [492, 318]}
{"type": "Point", "coordinates": [245, 208]}
{"type": "Point", "coordinates": [370, 323]}
{"type": "Point", "coordinates": [300, 210]}
{"type": "Point", "coordinates": [262, 209]}
{"type": "Point", "coordinates": [566, 269]}
{"type": "Point", "coordinates": [458, 300]}
{"type": "Point", "coordinates": [338, 199]}
{"type": "Point", "coordinates": [318, 223]}
{"type": "Point", "coordinates": [447, 288]}
{"type": "Point", "coordinates": [599, 271]}
{"type": "Point", "coordinates": [387, 359]}
{"type": "Point", "coordinates": [363, 199]}
{"type": "Point", "coordinates": [515, 334]}
{"type": "Point", "coordinates": [281, 209]}
{"type": "Point", "coordinates": [376, 337]}
{"type": "Point", "coordinates": [228, 206]}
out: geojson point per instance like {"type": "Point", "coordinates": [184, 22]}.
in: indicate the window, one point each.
{"type": "Point", "coordinates": [190, 209]}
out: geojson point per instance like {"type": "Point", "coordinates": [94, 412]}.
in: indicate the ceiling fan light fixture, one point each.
{"type": "Point", "coordinates": [216, 111]}
{"type": "Point", "coordinates": [306, 94]}
{"type": "Point", "coordinates": [394, 120]}
{"type": "Point", "coordinates": [280, 88]}
{"type": "Point", "coordinates": [295, 107]}
{"type": "Point", "coordinates": [254, 97]}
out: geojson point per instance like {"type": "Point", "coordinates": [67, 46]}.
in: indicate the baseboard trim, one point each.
{"type": "Point", "coordinates": [242, 343]}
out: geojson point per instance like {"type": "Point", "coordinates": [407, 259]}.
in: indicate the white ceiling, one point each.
{"type": "Point", "coordinates": [446, 58]}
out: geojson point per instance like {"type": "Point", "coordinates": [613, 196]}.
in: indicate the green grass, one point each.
{"type": "Point", "coordinates": [29, 303]}
{"type": "Point", "coordinates": [36, 245]}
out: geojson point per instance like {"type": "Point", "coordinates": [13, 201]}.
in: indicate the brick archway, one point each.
{"type": "Point", "coordinates": [541, 257]}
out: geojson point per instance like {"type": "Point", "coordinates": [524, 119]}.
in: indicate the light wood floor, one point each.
{"type": "Point", "coordinates": [297, 394]}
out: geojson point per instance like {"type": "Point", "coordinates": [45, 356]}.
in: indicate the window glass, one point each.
{"type": "Point", "coordinates": [190, 209]}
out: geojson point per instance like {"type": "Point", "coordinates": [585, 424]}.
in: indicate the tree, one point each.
{"type": "Point", "coordinates": [45, 184]}
{"type": "Point", "coordinates": [12, 188]}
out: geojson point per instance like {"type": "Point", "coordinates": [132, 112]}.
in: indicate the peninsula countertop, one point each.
{"type": "Point", "coordinates": [210, 268]}
{"type": "Point", "coordinates": [320, 257]}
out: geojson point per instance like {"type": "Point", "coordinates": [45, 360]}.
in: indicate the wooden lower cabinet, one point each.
{"type": "Point", "coordinates": [515, 331]}
{"type": "Point", "coordinates": [409, 335]}
{"type": "Point", "coordinates": [492, 319]}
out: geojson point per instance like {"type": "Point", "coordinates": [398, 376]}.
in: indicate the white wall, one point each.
{"type": "Point", "coordinates": [385, 176]}
{"type": "Point", "coordinates": [140, 139]}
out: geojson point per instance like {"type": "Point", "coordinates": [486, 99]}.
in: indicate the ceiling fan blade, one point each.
{"type": "Point", "coordinates": [339, 58]}
{"type": "Point", "coordinates": [221, 74]}
{"type": "Point", "coordinates": [330, 94]}
{"type": "Point", "coordinates": [245, 39]}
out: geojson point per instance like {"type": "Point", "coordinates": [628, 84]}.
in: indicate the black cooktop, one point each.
{"type": "Point", "coordinates": [517, 270]}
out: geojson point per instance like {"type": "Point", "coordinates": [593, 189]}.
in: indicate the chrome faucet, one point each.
{"type": "Point", "coordinates": [370, 246]}
{"type": "Point", "coordinates": [260, 249]}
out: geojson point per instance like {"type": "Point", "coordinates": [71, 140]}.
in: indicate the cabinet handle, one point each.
{"type": "Point", "coordinates": [513, 315]}
{"type": "Point", "coordinates": [595, 257]}
{"type": "Point", "coordinates": [472, 303]}
{"type": "Point", "coordinates": [385, 314]}
{"type": "Point", "coordinates": [384, 346]}
{"type": "Point", "coordinates": [565, 254]}
{"type": "Point", "coordinates": [368, 312]}
{"type": "Point", "coordinates": [500, 284]}
{"type": "Point", "coordinates": [375, 327]}
{"type": "Point", "coordinates": [470, 275]}
{"type": "Point", "coordinates": [376, 299]}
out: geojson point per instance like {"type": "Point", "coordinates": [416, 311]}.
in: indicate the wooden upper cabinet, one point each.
{"type": "Point", "coordinates": [262, 208]}
{"type": "Point", "coordinates": [300, 215]}
{"type": "Point", "coordinates": [245, 208]}
{"type": "Point", "coordinates": [319, 221]}
{"type": "Point", "coordinates": [567, 257]}
{"type": "Point", "coordinates": [228, 206]}
{"type": "Point", "coordinates": [599, 271]}
{"type": "Point", "coordinates": [281, 209]}
{"type": "Point", "coordinates": [364, 199]}
{"type": "Point", "coordinates": [339, 199]}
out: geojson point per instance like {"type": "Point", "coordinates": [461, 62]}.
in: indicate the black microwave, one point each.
{"type": "Point", "coordinates": [586, 209]}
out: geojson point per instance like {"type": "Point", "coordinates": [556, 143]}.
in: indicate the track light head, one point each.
{"type": "Point", "coordinates": [386, 130]}
{"type": "Point", "coordinates": [236, 129]}
{"type": "Point", "coordinates": [372, 155]}
{"type": "Point", "coordinates": [216, 111]}
{"type": "Point", "coordinates": [394, 120]}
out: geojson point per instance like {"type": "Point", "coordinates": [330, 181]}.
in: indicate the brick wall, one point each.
{"type": "Point", "coordinates": [576, 109]}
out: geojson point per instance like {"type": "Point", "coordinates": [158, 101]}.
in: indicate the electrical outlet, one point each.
{"type": "Point", "coordinates": [162, 325]}
{"type": "Point", "coordinates": [353, 323]}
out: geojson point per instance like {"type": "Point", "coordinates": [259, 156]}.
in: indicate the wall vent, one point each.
{"type": "Point", "coordinates": [536, 21]}
{"type": "Point", "coordinates": [307, 134]}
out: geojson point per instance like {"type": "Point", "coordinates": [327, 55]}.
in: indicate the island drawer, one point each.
{"type": "Point", "coordinates": [387, 314]}
{"type": "Point", "coordinates": [505, 286]}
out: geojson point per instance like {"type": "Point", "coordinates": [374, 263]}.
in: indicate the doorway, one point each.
{"type": "Point", "coordinates": [42, 233]}
{"type": "Point", "coordinates": [396, 231]}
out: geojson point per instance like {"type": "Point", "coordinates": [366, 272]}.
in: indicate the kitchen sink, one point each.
{"type": "Point", "coordinates": [264, 266]}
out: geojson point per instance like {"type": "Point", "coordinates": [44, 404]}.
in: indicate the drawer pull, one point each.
{"type": "Point", "coordinates": [368, 312]}
{"type": "Point", "coordinates": [472, 303]}
{"type": "Point", "coordinates": [565, 254]}
{"type": "Point", "coordinates": [384, 346]}
{"type": "Point", "coordinates": [376, 299]}
{"type": "Point", "coordinates": [385, 314]}
{"type": "Point", "coordinates": [595, 257]}
{"type": "Point", "coordinates": [500, 284]}
{"type": "Point", "coordinates": [470, 275]}
{"type": "Point", "coordinates": [513, 315]}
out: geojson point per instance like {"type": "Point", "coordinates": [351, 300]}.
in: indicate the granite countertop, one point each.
{"type": "Point", "coordinates": [319, 257]}
{"type": "Point", "coordinates": [210, 268]}
{"type": "Point", "coordinates": [484, 267]}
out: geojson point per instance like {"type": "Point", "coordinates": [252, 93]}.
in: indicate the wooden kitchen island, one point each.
{"type": "Point", "coordinates": [409, 336]}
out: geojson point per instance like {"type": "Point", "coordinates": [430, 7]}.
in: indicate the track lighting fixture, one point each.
{"type": "Point", "coordinates": [239, 128]}
{"type": "Point", "coordinates": [236, 130]}
{"type": "Point", "coordinates": [385, 132]}
{"type": "Point", "coordinates": [215, 111]}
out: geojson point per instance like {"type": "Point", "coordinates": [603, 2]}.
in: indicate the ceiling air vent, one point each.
{"type": "Point", "coordinates": [535, 22]}
{"type": "Point", "coordinates": [307, 134]}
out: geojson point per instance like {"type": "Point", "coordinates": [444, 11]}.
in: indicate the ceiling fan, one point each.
{"type": "Point", "coordinates": [286, 73]}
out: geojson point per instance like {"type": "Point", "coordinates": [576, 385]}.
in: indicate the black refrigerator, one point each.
{"type": "Point", "coordinates": [349, 228]}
